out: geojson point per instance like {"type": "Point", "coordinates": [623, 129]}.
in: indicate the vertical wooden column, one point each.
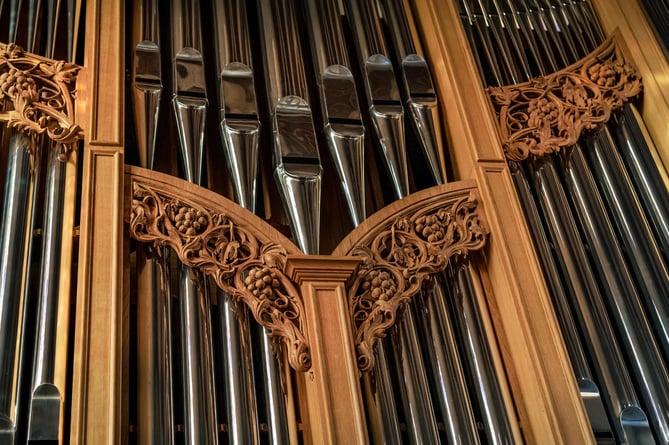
{"type": "Point", "coordinates": [550, 410]}
{"type": "Point", "coordinates": [100, 343]}
{"type": "Point", "coordinates": [332, 385]}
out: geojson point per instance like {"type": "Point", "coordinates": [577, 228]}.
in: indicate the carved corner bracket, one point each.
{"type": "Point", "coordinates": [404, 252]}
{"type": "Point", "coordinates": [217, 243]}
{"type": "Point", "coordinates": [37, 96]}
{"type": "Point", "coordinates": [547, 114]}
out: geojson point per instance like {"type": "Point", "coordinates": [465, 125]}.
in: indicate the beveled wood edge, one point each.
{"type": "Point", "coordinates": [201, 196]}
{"type": "Point", "coordinates": [405, 206]}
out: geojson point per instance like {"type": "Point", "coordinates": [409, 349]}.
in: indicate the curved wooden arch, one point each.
{"type": "Point", "coordinates": [244, 255]}
{"type": "Point", "coordinates": [400, 247]}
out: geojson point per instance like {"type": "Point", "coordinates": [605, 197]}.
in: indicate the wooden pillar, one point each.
{"type": "Point", "coordinates": [332, 385]}
{"type": "Point", "coordinates": [99, 404]}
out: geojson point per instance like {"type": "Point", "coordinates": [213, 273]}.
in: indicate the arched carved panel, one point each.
{"type": "Point", "coordinates": [37, 96]}
{"type": "Point", "coordinates": [245, 256]}
{"type": "Point", "coordinates": [549, 113]}
{"type": "Point", "coordinates": [400, 247]}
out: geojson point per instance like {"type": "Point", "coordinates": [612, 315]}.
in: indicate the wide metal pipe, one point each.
{"type": "Point", "coordinates": [381, 90]}
{"type": "Point", "coordinates": [417, 87]}
{"type": "Point", "coordinates": [628, 420]}
{"type": "Point", "coordinates": [644, 259]}
{"type": "Point", "coordinates": [477, 355]}
{"type": "Point", "coordinates": [589, 389]}
{"type": "Point", "coordinates": [452, 397]}
{"type": "Point", "coordinates": [339, 101]}
{"type": "Point", "coordinates": [16, 217]}
{"type": "Point", "coordinates": [298, 169]}
{"type": "Point", "coordinates": [190, 106]}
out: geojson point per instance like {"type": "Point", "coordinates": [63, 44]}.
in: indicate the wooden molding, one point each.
{"type": "Point", "coordinates": [401, 247]}
{"type": "Point", "coordinates": [548, 114]}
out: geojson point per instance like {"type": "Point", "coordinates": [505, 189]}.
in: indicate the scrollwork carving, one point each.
{"type": "Point", "coordinates": [397, 261]}
{"type": "Point", "coordinates": [549, 113]}
{"type": "Point", "coordinates": [250, 271]}
{"type": "Point", "coordinates": [37, 96]}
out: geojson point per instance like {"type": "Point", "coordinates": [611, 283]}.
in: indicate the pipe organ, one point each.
{"type": "Point", "coordinates": [343, 221]}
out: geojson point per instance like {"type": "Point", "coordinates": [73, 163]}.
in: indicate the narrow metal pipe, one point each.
{"type": "Point", "coordinates": [644, 258]}
{"type": "Point", "coordinates": [628, 420]}
{"type": "Point", "coordinates": [452, 396]}
{"type": "Point", "coordinates": [589, 389]}
{"type": "Point", "coordinates": [298, 169]}
{"type": "Point", "coordinates": [16, 217]}
{"type": "Point", "coordinates": [381, 90]}
{"type": "Point", "coordinates": [339, 101]}
{"type": "Point", "coordinates": [274, 393]}
{"type": "Point", "coordinates": [381, 406]}
{"type": "Point", "coordinates": [477, 356]}
{"type": "Point", "coordinates": [624, 303]}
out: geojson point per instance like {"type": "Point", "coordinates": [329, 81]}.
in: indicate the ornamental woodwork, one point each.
{"type": "Point", "coordinates": [243, 261]}
{"type": "Point", "coordinates": [401, 252]}
{"type": "Point", "coordinates": [37, 96]}
{"type": "Point", "coordinates": [547, 114]}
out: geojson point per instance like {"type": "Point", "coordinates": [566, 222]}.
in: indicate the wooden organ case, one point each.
{"type": "Point", "coordinates": [408, 222]}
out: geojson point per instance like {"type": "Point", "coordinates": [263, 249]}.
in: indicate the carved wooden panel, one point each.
{"type": "Point", "coordinates": [400, 247]}
{"type": "Point", "coordinates": [546, 114]}
{"type": "Point", "coordinates": [244, 256]}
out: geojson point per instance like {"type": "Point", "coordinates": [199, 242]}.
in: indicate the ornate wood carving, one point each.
{"type": "Point", "coordinates": [221, 245]}
{"type": "Point", "coordinates": [37, 96]}
{"type": "Point", "coordinates": [402, 252]}
{"type": "Point", "coordinates": [549, 113]}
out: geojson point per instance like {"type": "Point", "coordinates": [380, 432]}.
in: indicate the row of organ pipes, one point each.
{"type": "Point", "coordinates": [303, 103]}
{"type": "Point", "coordinates": [327, 79]}
{"type": "Point", "coordinates": [598, 213]}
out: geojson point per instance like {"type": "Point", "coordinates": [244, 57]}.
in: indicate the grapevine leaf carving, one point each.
{"type": "Point", "coordinates": [249, 270]}
{"type": "Point", "coordinates": [547, 114]}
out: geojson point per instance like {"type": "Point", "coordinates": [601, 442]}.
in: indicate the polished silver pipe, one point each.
{"type": "Point", "coordinates": [240, 129]}
{"type": "Point", "coordinates": [475, 28]}
{"type": "Point", "coordinates": [644, 258]}
{"type": "Point", "coordinates": [16, 217]}
{"type": "Point", "coordinates": [190, 107]}
{"type": "Point", "coordinates": [14, 13]}
{"type": "Point", "coordinates": [624, 303]}
{"type": "Point", "coordinates": [525, 36]}
{"type": "Point", "coordinates": [339, 101]}
{"type": "Point", "coordinates": [418, 90]}
{"type": "Point", "coordinates": [381, 90]}
{"type": "Point", "coordinates": [634, 145]}
{"type": "Point", "coordinates": [154, 367]}
{"type": "Point", "coordinates": [628, 420]}
{"type": "Point", "coordinates": [588, 387]}
{"type": "Point", "coordinates": [201, 427]}
{"type": "Point", "coordinates": [477, 355]}
{"type": "Point", "coordinates": [298, 168]}
{"type": "Point", "coordinates": [274, 393]}
{"type": "Point", "coordinates": [380, 400]}
{"type": "Point", "coordinates": [452, 397]}
{"type": "Point", "coordinates": [44, 411]}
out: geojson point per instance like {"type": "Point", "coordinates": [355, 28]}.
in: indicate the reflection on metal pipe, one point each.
{"type": "Point", "coordinates": [275, 400]}
{"type": "Point", "coordinates": [16, 217]}
{"type": "Point", "coordinates": [477, 356]}
{"type": "Point", "coordinates": [339, 101]}
{"type": "Point", "coordinates": [418, 90]}
{"type": "Point", "coordinates": [447, 374]}
{"type": "Point", "coordinates": [635, 235]}
{"type": "Point", "coordinates": [298, 168]}
{"type": "Point", "coordinates": [381, 90]}
{"type": "Point", "coordinates": [589, 389]}
{"type": "Point", "coordinates": [627, 418]}
{"type": "Point", "coordinates": [381, 407]}
{"type": "Point", "coordinates": [624, 303]}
